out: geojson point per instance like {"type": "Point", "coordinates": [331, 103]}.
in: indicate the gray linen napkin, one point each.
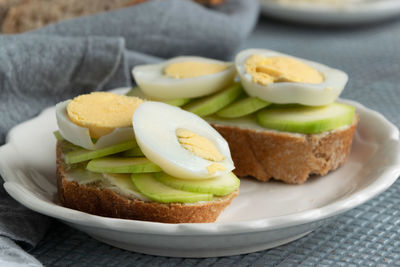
{"type": "Point", "coordinates": [57, 62]}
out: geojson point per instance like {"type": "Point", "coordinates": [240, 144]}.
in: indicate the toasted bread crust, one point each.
{"type": "Point", "coordinates": [291, 158]}
{"type": "Point", "coordinates": [104, 202]}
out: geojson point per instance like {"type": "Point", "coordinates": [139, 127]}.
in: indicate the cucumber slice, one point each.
{"type": "Point", "coordinates": [209, 105]}
{"type": "Point", "coordinates": [134, 152]}
{"type": "Point", "coordinates": [159, 192]}
{"type": "Point", "coordinates": [122, 165]}
{"type": "Point", "coordinates": [135, 91]}
{"type": "Point", "coordinates": [242, 107]}
{"type": "Point", "coordinates": [305, 119]}
{"type": "Point", "coordinates": [219, 186]}
{"type": "Point", "coordinates": [82, 154]}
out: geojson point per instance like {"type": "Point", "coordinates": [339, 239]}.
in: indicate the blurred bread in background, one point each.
{"type": "Point", "coordinates": [17, 16]}
{"type": "Point", "coordinates": [5, 6]}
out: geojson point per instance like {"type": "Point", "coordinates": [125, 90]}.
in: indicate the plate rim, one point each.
{"type": "Point", "coordinates": [380, 184]}
{"type": "Point", "coordinates": [327, 15]}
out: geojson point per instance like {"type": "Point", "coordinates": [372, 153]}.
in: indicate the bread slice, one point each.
{"type": "Point", "coordinates": [105, 202]}
{"type": "Point", "coordinates": [210, 2]}
{"type": "Point", "coordinates": [291, 158]}
{"type": "Point", "coordinates": [27, 15]}
{"type": "Point", "coordinates": [5, 5]}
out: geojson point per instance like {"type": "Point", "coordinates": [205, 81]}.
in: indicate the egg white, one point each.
{"type": "Point", "coordinates": [155, 84]}
{"type": "Point", "coordinates": [292, 92]}
{"type": "Point", "coordinates": [80, 136]}
{"type": "Point", "coordinates": [155, 126]}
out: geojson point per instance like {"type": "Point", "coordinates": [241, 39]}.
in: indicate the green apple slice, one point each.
{"type": "Point", "coordinates": [133, 152]}
{"type": "Point", "coordinates": [219, 186]}
{"type": "Point", "coordinates": [179, 102]}
{"type": "Point", "coordinates": [58, 136]}
{"type": "Point", "coordinates": [209, 105]}
{"type": "Point", "coordinates": [305, 119]}
{"type": "Point", "coordinates": [82, 154]}
{"type": "Point", "coordinates": [135, 91]}
{"type": "Point", "coordinates": [123, 184]}
{"type": "Point", "coordinates": [242, 107]}
{"type": "Point", "coordinates": [121, 180]}
{"type": "Point", "coordinates": [83, 176]}
{"type": "Point", "coordinates": [159, 192]}
{"type": "Point", "coordinates": [66, 146]}
{"type": "Point", "coordinates": [122, 165]}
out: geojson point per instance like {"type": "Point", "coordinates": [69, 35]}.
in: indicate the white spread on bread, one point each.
{"type": "Point", "coordinates": [107, 181]}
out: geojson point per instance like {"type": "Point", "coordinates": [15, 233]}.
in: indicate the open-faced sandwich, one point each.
{"type": "Point", "coordinates": [279, 115]}
{"type": "Point", "coordinates": [119, 156]}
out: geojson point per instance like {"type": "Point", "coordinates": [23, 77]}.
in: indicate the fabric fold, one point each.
{"type": "Point", "coordinates": [103, 58]}
{"type": "Point", "coordinates": [169, 28]}
{"type": "Point", "coordinates": [11, 255]}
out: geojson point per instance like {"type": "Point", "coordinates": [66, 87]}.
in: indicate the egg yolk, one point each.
{"type": "Point", "coordinates": [102, 112]}
{"type": "Point", "coordinates": [191, 69]}
{"type": "Point", "coordinates": [201, 147]}
{"type": "Point", "coordinates": [266, 70]}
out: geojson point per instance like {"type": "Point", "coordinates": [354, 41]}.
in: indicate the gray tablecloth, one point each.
{"type": "Point", "coordinates": [368, 235]}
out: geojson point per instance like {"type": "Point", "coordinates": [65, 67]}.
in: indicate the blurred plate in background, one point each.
{"type": "Point", "coordinates": [331, 12]}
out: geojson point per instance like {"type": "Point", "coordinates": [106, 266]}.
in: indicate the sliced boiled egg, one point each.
{"type": "Point", "coordinates": [180, 142]}
{"type": "Point", "coordinates": [183, 77]}
{"type": "Point", "coordinates": [97, 120]}
{"type": "Point", "coordinates": [280, 78]}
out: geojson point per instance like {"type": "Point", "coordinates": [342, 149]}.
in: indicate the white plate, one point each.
{"type": "Point", "coordinates": [346, 13]}
{"type": "Point", "coordinates": [264, 215]}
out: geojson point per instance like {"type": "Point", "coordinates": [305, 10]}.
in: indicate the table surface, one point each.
{"type": "Point", "coordinates": [367, 235]}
